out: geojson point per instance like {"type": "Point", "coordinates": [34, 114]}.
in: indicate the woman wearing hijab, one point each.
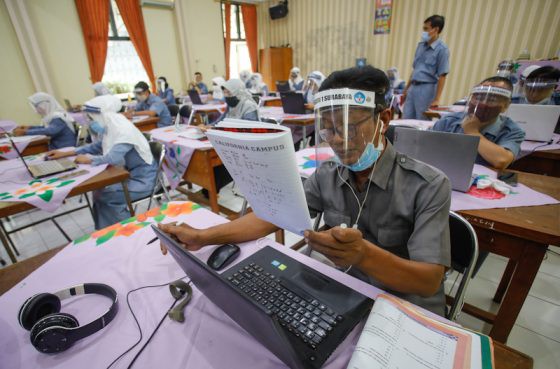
{"type": "Point", "coordinates": [244, 76]}
{"type": "Point", "coordinates": [257, 86]}
{"type": "Point", "coordinates": [164, 91]}
{"type": "Point", "coordinates": [314, 81]}
{"type": "Point", "coordinates": [397, 84]}
{"type": "Point", "coordinates": [116, 142]}
{"type": "Point", "coordinates": [239, 101]}
{"type": "Point", "coordinates": [57, 124]}
{"type": "Point", "coordinates": [295, 80]}
{"type": "Point", "coordinates": [100, 89]}
{"type": "Point", "coordinates": [217, 93]}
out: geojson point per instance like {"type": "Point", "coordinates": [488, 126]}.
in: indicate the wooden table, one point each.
{"type": "Point", "coordinates": [540, 162]}
{"type": "Point", "coordinates": [106, 178]}
{"type": "Point", "coordinates": [146, 125]}
{"type": "Point", "coordinates": [522, 235]}
{"type": "Point", "coordinates": [505, 357]}
{"type": "Point", "coordinates": [201, 172]}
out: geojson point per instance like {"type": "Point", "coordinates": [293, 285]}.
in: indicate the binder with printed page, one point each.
{"type": "Point", "coordinates": [260, 158]}
{"type": "Point", "coordinates": [398, 335]}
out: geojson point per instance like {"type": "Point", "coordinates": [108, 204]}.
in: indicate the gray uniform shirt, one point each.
{"type": "Point", "coordinates": [406, 212]}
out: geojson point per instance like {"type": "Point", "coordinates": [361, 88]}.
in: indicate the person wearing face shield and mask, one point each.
{"type": "Point", "coordinates": [397, 84]}
{"type": "Point", "coordinates": [117, 142]}
{"type": "Point", "coordinates": [257, 86]}
{"type": "Point", "coordinates": [57, 124]}
{"type": "Point", "coordinates": [314, 81]}
{"type": "Point", "coordinates": [217, 93]}
{"type": "Point", "coordinates": [431, 66]}
{"type": "Point", "coordinates": [500, 137]}
{"type": "Point", "coordinates": [295, 81]}
{"type": "Point", "coordinates": [244, 76]}
{"type": "Point", "coordinates": [150, 104]}
{"type": "Point", "coordinates": [387, 215]}
{"type": "Point", "coordinates": [165, 92]}
{"type": "Point", "coordinates": [538, 85]}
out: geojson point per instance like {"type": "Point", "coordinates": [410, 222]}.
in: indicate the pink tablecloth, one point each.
{"type": "Point", "coordinates": [179, 151]}
{"type": "Point", "coordinates": [48, 193]}
{"type": "Point", "coordinates": [308, 159]}
{"type": "Point", "coordinates": [528, 147]}
{"type": "Point", "coordinates": [8, 152]}
{"type": "Point", "coordinates": [208, 339]}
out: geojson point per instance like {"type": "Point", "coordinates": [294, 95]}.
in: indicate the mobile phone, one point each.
{"type": "Point", "coordinates": [508, 177]}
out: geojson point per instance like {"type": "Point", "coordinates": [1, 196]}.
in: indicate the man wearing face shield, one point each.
{"type": "Point", "coordinates": [57, 124]}
{"type": "Point", "coordinates": [386, 214]}
{"type": "Point", "coordinates": [150, 104]}
{"type": "Point", "coordinates": [539, 85]}
{"type": "Point", "coordinates": [500, 137]}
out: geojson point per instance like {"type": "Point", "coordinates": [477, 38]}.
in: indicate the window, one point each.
{"type": "Point", "coordinates": [123, 68]}
{"type": "Point", "coordinates": [239, 52]}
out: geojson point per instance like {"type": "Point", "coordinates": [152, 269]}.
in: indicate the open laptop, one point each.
{"type": "Point", "coordinates": [195, 97]}
{"type": "Point", "coordinates": [538, 121]}
{"type": "Point", "coordinates": [70, 107]}
{"type": "Point", "coordinates": [282, 86]}
{"type": "Point", "coordinates": [293, 103]}
{"type": "Point", "coordinates": [296, 312]}
{"type": "Point", "coordinates": [45, 168]}
{"type": "Point", "coordinates": [452, 153]}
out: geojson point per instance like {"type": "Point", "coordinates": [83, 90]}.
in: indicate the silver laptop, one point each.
{"type": "Point", "coordinates": [45, 168]}
{"type": "Point", "coordinates": [538, 121]}
{"type": "Point", "coordinates": [452, 153]}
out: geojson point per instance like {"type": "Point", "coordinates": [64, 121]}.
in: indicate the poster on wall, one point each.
{"type": "Point", "coordinates": [382, 22]}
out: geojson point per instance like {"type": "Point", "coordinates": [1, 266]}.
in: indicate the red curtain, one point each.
{"type": "Point", "coordinates": [94, 19]}
{"type": "Point", "coordinates": [250, 23]}
{"type": "Point", "coordinates": [131, 14]}
{"type": "Point", "coordinates": [227, 39]}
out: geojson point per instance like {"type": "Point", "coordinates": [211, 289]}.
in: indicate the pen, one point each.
{"type": "Point", "coordinates": [152, 241]}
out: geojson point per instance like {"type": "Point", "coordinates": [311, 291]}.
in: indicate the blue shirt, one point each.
{"type": "Point", "coordinates": [155, 104]}
{"type": "Point", "coordinates": [504, 132]}
{"type": "Point", "coordinates": [142, 175]}
{"type": "Point", "coordinates": [202, 87]}
{"type": "Point", "coordinates": [60, 134]}
{"type": "Point", "coordinates": [168, 95]}
{"type": "Point", "coordinates": [430, 61]}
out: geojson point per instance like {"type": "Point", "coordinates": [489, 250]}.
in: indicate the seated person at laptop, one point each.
{"type": "Point", "coordinates": [314, 81]}
{"type": "Point", "coordinates": [539, 85]}
{"type": "Point", "coordinates": [150, 104]}
{"type": "Point", "coordinates": [117, 142]}
{"type": "Point", "coordinates": [217, 93]}
{"type": "Point", "coordinates": [257, 86]}
{"type": "Point", "coordinates": [164, 91]}
{"type": "Point", "coordinates": [401, 243]}
{"type": "Point", "coordinates": [198, 85]}
{"type": "Point", "coordinates": [500, 137]}
{"type": "Point", "coordinates": [57, 124]}
{"type": "Point", "coordinates": [295, 80]}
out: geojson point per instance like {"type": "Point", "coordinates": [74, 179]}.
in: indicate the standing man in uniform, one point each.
{"type": "Point", "coordinates": [431, 66]}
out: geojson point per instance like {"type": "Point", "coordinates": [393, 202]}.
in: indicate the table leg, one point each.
{"type": "Point", "coordinates": [127, 198]}
{"type": "Point", "coordinates": [6, 244]}
{"type": "Point", "coordinates": [304, 139]}
{"type": "Point", "coordinates": [279, 235]}
{"type": "Point", "coordinates": [212, 190]}
{"type": "Point", "coordinates": [504, 282]}
{"type": "Point", "coordinates": [519, 286]}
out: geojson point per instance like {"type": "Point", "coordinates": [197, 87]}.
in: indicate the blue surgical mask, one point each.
{"type": "Point", "coordinates": [425, 36]}
{"type": "Point", "coordinates": [96, 128]}
{"type": "Point", "coordinates": [370, 155]}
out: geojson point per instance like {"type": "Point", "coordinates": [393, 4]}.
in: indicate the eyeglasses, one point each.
{"type": "Point", "coordinates": [328, 133]}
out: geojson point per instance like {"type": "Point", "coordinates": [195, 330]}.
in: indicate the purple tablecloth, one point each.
{"type": "Point", "coordinates": [208, 339]}
{"type": "Point", "coordinates": [8, 152]}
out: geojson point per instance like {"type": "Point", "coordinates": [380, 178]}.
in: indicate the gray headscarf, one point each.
{"type": "Point", "coordinates": [246, 102]}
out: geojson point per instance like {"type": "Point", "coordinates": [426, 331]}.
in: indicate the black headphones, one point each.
{"type": "Point", "coordinates": [53, 331]}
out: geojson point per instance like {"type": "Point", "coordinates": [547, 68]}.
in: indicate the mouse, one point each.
{"type": "Point", "coordinates": [223, 256]}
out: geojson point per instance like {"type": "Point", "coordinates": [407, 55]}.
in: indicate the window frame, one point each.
{"type": "Point", "coordinates": [113, 25]}
{"type": "Point", "coordinates": [236, 21]}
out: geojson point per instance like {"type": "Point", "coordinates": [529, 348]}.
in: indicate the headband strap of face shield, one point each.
{"type": "Point", "coordinates": [344, 96]}
{"type": "Point", "coordinates": [491, 90]}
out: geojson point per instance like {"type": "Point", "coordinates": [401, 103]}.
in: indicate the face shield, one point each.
{"type": "Point", "coordinates": [348, 128]}
{"type": "Point", "coordinates": [40, 107]}
{"type": "Point", "coordinates": [161, 84]}
{"type": "Point", "coordinates": [505, 68]}
{"type": "Point", "coordinates": [537, 90]}
{"type": "Point", "coordinates": [140, 95]}
{"type": "Point", "coordinates": [487, 102]}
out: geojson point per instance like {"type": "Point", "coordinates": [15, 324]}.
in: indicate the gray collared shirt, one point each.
{"type": "Point", "coordinates": [406, 212]}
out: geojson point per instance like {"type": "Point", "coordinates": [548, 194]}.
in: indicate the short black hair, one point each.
{"type": "Point", "coordinates": [142, 85]}
{"type": "Point", "coordinates": [365, 78]}
{"type": "Point", "coordinates": [547, 72]}
{"type": "Point", "coordinates": [197, 73]}
{"type": "Point", "coordinates": [436, 21]}
{"type": "Point", "coordinates": [163, 78]}
{"type": "Point", "coordinates": [504, 80]}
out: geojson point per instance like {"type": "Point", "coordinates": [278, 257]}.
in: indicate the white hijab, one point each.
{"type": "Point", "coordinates": [246, 102]}
{"type": "Point", "coordinates": [244, 75]}
{"type": "Point", "coordinates": [295, 81]}
{"type": "Point", "coordinates": [316, 78]}
{"type": "Point", "coordinates": [217, 92]}
{"type": "Point", "coordinates": [118, 129]}
{"type": "Point", "coordinates": [100, 89]}
{"type": "Point", "coordinates": [50, 109]}
{"type": "Point", "coordinates": [397, 80]}
{"type": "Point", "coordinates": [256, 84]}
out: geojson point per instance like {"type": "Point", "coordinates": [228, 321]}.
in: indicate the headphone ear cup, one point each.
{"type": "Point", "coordinates": [36, 307]}
{"type": "Point", "coordinates": [49, 336]}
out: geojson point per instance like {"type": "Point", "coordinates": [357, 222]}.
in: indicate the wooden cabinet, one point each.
{"type": "Point", "coordinates": [275, 63]}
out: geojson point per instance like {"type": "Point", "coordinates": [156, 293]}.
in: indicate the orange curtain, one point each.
{"type": "Point", "coordinates": [94, 19]}
{"type": "Point", "coordinates": [250, 23]}
{"type": "Point", "coordinates": [227, 39]}
{"type": "Point", "coordinates": [131, 14]}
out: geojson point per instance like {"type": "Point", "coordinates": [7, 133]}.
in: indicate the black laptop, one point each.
{"type": "Point", "coordinates": [296, 312]}
{"type": "Point", "coordinates": [195, 97]}
{"type": "Point", "coordinates": [293, 103]}
{"type": "Point", "coordinates": [282, 86]}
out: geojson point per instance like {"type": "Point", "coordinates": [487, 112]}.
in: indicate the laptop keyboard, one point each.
{"type": "Point", "coordinates": [50, 166]}
{"type": "Point", "coordinates": [307, 319]}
